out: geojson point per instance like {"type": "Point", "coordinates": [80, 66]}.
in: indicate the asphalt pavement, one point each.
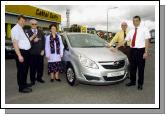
{"type": "Point", "coordinates": [62, 93]}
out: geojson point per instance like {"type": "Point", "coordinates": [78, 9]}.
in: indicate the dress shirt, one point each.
{"type": "Point", "coordinates": [35, 31]}
{"type": "Point", "coordinates": [141, 36]}
{"type": "Point", "coordinates": [18, 34]}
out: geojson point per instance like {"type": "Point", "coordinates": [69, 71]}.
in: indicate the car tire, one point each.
{"type": "Point", "coordinates": [70, 76]}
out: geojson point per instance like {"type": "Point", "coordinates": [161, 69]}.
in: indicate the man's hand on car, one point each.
{"type": "Point", "coordinates": [113, 49]}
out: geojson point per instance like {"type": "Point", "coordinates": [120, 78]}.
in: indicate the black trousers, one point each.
{"type": "Point", "coordinates": [22, 69]}
{"type": "Point", "coordinates": [36, 67]}
{"type": "Point", "coordinates": [126, 51]}
{"type": "Point", "coordinates": [137, 62]}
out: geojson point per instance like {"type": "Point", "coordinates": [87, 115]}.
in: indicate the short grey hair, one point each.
{"type": "Point", "coordinates": [33, 21]}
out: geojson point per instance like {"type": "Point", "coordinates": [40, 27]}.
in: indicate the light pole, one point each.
{"type": "Point", "coordinates": [107, 18]}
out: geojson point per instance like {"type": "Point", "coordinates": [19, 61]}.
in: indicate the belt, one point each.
{"type": "Point", "coordinates": [24, 51]}
{"type": "Point", "coordinates": [137, 48]}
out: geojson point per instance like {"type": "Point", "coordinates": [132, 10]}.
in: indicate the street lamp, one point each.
{"type": "Point", "coordinates": [107, 18]}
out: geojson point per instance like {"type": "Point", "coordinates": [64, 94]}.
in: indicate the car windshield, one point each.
{"type": "Point", "coordinates": [85, 40]}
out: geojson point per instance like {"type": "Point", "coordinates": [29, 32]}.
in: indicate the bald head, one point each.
{"type": "Point", "coordinates": [124, 26]}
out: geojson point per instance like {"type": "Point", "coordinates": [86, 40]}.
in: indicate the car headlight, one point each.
{"type": "Point", "coordinates": [87, 62]}
{"type": "Point", "coordinates": [127, 61]}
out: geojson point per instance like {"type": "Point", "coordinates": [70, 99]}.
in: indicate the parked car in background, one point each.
{"type": "Point", "coordinates": [46, 33]}
{"type": "Point", "coordinates": [89, 61]}
{"type": "Point", "coordinates": [9, 49]}
{"type": "Point", "coordinates": [152, 33]}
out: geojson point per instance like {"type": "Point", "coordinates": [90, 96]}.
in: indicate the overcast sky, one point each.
{"type": "Point", "coordinates": [96, 15]}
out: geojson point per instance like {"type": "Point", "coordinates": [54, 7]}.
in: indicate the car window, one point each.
{"type": "Point", "coordinates": [85, 40]}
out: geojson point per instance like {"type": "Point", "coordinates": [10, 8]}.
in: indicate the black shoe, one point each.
{"type": "Point", "coordinates": [32, 83]}
{"type": "Point", "coordinates": [25, 90]}
{"type": "Point", "coordinates": [28, 85]}
{"type": "Point", "coordinates": [51, 80]}
{"type": "Point", "coordinates": [41, 81]}
{"type": "Point", "coordinates": [130, 84]}
{"type": "Point", "coordinates": [58, 80]}
{"type": "Point", "coordinates": [128, 77]}
{"type": "Point", "coordinates": [140, 87]}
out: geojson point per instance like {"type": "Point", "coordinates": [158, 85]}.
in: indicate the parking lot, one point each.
{"type": "Point", "coordinates": [62, 93]}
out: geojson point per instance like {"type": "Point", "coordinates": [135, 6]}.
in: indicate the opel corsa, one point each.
{"type": "Point", "coordinates": [89, 61]}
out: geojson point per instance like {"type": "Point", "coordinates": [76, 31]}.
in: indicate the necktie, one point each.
{"type": "Point", "coordinates": [35, 31]}
{"type": "Point", "coordinates": [134, 38]}
{"type": "Point", "coordinates": [124, 38]}
{"type": "Point", "coordinates": [124, 34]}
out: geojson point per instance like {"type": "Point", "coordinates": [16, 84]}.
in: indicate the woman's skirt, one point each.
{"type": "Point", "coordinates": [54, 67]}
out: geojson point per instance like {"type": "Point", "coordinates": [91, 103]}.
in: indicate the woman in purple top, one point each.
{"type": "Point", "coordinates": [54, 53]}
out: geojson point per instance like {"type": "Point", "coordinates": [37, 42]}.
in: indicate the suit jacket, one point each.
{"type": "Point", "coordinates": [37, 47]}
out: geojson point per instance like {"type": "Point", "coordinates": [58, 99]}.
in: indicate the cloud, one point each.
{"type": "Point", "coordinates": [96, 15]}
{"type": "Point", "coordinates": [144, 11]}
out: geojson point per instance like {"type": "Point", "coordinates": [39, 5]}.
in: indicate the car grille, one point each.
{"type": "Point", "coordinates": [113, 78]}
{"type": "Point", "coordinates": [114, 64]}
{"type": "Point", "coordinates": [91, 77]}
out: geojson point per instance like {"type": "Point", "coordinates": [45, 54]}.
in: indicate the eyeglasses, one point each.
{"type": "Point", "coordinates": [34, 24]}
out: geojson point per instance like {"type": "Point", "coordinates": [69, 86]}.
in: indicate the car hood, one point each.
{"type": "Point", "coordinates": [100, 54]}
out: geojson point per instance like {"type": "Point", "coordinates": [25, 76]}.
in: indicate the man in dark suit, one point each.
{"type": "Point", "coordinates": [37, 39]}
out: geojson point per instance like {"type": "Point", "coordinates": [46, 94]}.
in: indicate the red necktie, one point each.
{"type": "Point", "coordinates": [134, 38]}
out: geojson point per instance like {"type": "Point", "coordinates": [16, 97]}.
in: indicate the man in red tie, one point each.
{"type": "Point", "coordinates": [139, 37]}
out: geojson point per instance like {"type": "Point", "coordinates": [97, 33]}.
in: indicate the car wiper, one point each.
{"type": "Point", "coordinates": [80, 46]}
{"type": "Point", "coordinates": [99, 46]}
{"type": "Point", "coordinates": [95, 46]}
{"type": "Point", "coordinates": [88, 46]}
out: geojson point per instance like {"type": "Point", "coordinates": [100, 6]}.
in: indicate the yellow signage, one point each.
{"type": "Point", "coordinates": [33, 12]}
{"type": "Point", "coordinates": [83, 29]}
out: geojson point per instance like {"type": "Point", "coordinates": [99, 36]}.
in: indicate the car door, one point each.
{"type": "Point", "coordinates": [66, 56]}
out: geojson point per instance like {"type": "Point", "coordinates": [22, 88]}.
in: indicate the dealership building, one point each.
{"type": "Point", "coordinates": [44, 17]}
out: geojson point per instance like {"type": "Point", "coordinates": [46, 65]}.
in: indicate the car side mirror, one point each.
{"type": "Point", "coordinates": [66, 48]}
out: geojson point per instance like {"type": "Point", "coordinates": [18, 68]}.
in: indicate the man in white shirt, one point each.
{"type": "Point", "coordinates": [139, 37]}
{"type": "Point", "coordinates": [22, 46]}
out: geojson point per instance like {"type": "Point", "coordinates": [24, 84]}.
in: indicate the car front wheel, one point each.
{"type": "Point", "coordinates": [70, 76]}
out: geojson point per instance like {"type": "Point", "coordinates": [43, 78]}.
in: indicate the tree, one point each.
{"type": "Point", "coordinates": [75, 28]}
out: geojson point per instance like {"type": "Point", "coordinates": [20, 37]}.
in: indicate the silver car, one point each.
{"type": "Point", "coordinates": [89, 61]}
